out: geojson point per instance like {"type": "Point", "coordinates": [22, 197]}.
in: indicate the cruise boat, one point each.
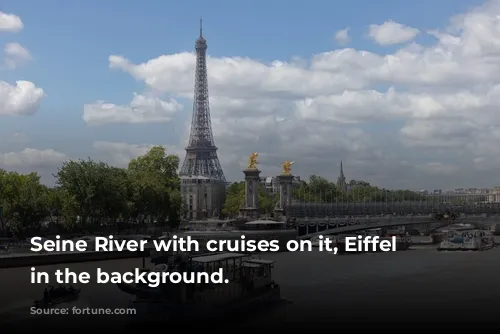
{"type": "Point", "coordinates": [205, 230]}
{"type": "Point", "coordinates": [249, 285]}
{"type": "Point", "coordinates": [472, 240]}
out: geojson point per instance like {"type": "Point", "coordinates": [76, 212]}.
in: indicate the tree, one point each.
{"type": "Point", "coordinates": [319, 190]}
{"type": "Point", "coordinates": [356, 183]}
{"type": "Point", "coordinates": [24, 201]}
{"type": "Point", "coordinates": [2, 199]}
{"type": "Point", "coordinates": [155, 187]}
{"type": "Point", "coordinates": [54, 202]}
{"type": "Point", "coordinates": [96, 191]}
{"type": "Point", "coordinates": [68, 209]}
{"type": "Point", "coordinates": [92, 193]}
{"type": "Point", "coordinates": [235, 199]}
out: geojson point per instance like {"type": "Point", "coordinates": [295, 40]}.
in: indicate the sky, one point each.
{"type": "Point", "coordinates": [405, 93]}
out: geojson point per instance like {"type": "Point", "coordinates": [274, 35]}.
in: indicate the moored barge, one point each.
{"type": "Point", "coordinates": [249, 284]}
{"type": "Point", "coordinates": [471, 240]}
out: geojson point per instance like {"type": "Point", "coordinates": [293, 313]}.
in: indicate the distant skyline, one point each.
{"type": "Point", "coordinates": [406, 93]}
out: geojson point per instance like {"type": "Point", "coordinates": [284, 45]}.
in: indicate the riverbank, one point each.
{"type": "Point", "coordinates": [16, 260]}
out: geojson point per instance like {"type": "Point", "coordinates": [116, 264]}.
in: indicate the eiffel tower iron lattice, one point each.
{"type": "Point", "coordinates": [201, 153]}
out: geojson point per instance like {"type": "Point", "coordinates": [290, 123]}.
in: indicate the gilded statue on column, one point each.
{"type": "Point", "coordinates": [287, 167]}
{"type": "Point", "coordinates": [252, 160]}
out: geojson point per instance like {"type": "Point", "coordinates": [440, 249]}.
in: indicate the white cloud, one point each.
{"type": "Point", "coordinates": [438, 168]}
{"type": "Point", "coordinates": [32, 158]}
{"type": "Point", "coordinates": [23, 99]}
{"type": "Point", "coordinates": [15, 55]}
{"type": "Point", "coordinates": [120, 154]}
{"type": "Point", "coordinates": [44, 162]}
{"type": "Point", "coordinates": [10, 23]}
{"type": "Point", "coordinates": [342, 36]}
{"type": "Point", "coordinates": [391, 32]}
{"type": "Point", "coordinates": [142, 109]}
{"type": "Point", "coordinates": [395, 119]}
{"type": "Point", "coordinates": [15, 138]}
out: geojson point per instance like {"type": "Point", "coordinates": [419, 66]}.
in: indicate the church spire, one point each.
{"type": "Point", "coordinates": [341, 181]}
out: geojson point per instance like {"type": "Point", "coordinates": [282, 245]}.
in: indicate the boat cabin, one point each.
{"type": "Point", "coordinates": [231, 263]}
{"type": "Point", "coordinates": [257, 273]}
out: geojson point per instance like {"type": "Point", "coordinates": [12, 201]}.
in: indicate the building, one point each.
{"type": "Point", "coordinates": [494, 195]}
{"type": "Point", "coordinates": [271, 186]}
{"type": "Point", "coordinates": [203, 185]}
{"type": "Point", "coordinates": [468, 195]}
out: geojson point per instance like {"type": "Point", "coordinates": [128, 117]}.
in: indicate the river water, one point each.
{"type": "Point", "coordinates": [419, 284]}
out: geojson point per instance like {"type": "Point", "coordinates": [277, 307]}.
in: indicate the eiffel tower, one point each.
{"type": "Point", "coordinates": [202, 179]}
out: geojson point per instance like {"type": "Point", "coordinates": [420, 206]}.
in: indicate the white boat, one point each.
{"type": "Point", "coordinates": [471, 240]}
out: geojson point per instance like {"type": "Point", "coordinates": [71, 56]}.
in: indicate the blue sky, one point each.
{"type": "Point", "coordinates": [71, 41]}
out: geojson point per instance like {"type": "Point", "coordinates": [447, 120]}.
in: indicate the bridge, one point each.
{"type": "Point", "coordinates": [308, 228]}
{"type": "Point", "coordinates": [301, 210]}
{"type": "Point", "coordinates": [314, 219]}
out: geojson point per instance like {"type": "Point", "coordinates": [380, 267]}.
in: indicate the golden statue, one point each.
{"type": "Point", "coordinates": [287, 167]}
{"type": "Point", "coordinates": [252, 160]}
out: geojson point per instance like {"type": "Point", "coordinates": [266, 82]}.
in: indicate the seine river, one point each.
{"type": "Point", "coordinates": [421, 284]}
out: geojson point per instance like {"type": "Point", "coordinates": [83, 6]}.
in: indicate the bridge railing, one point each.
{"type": "Point", "coordinates": [313, 227]}
{"type": "Point", "coordinates": [301, 210]}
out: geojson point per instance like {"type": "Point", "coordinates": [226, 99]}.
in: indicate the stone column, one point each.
{"type": "Point", "coordinates": [251, 208]}
{"type": "Point", "coordinates": [285, 183]}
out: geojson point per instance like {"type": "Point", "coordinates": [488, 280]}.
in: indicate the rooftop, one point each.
{"type": "Point", "coordinates": [251, 265]}
{"type": "Point", "coordinates": [259, 261]}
